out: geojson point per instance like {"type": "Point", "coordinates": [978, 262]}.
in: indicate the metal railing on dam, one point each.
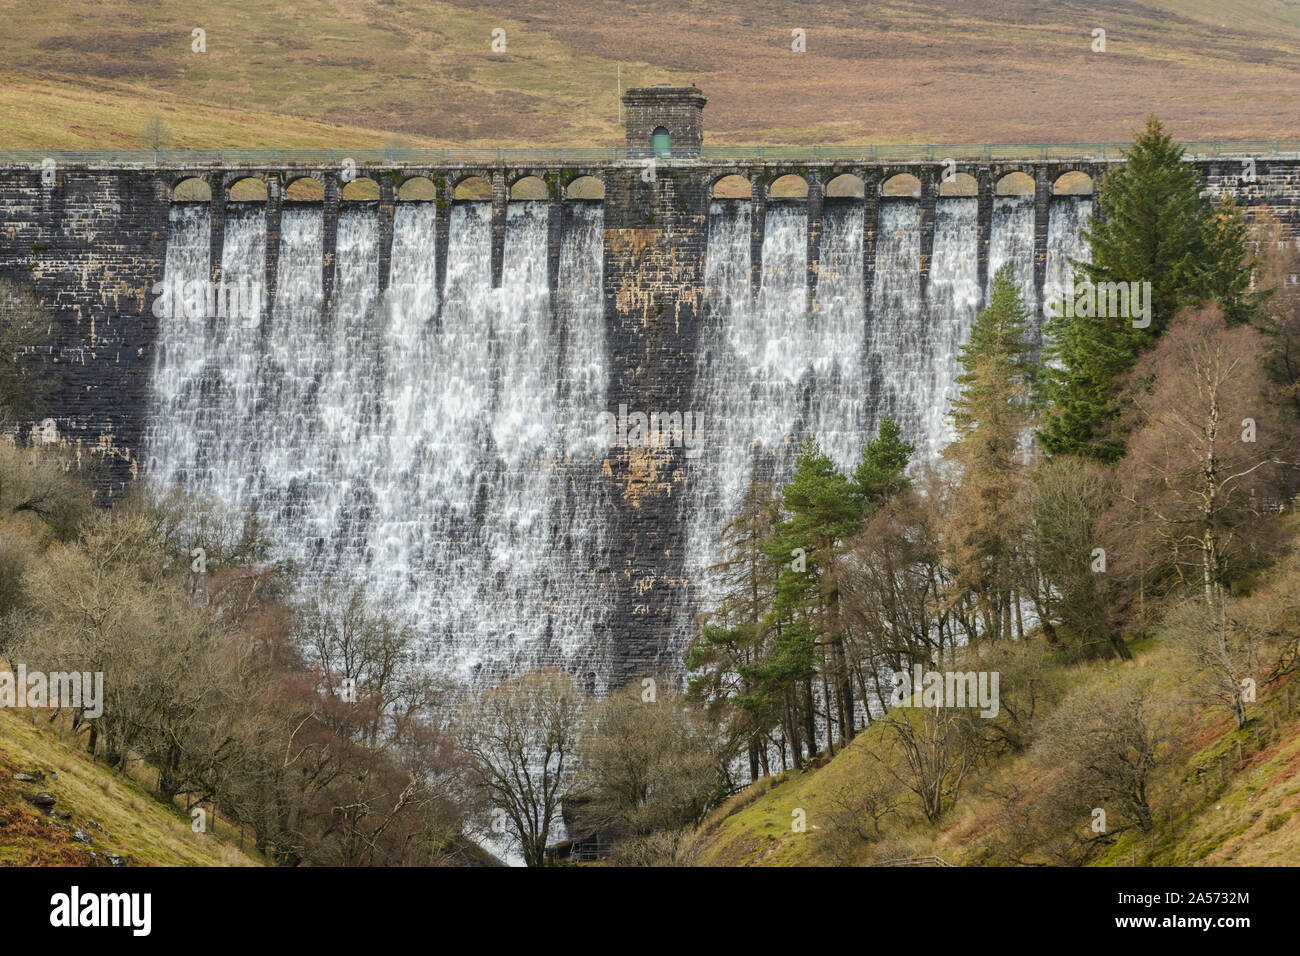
{"type": "Point", "coordinates": [590, 155]}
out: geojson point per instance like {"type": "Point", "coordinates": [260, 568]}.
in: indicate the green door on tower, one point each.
{"type": "Point", "coordinates": [659, 143]}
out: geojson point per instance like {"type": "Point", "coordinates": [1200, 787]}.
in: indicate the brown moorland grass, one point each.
{"type": "Point", "coordinates": [89, 73]}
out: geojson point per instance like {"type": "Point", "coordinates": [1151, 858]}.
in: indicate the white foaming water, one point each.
{"type": "Point", "coordinates": [953, 299]}
{"type": "Point", "coordinates": [445, 453]}
{"type": "Point", "coordinates": [230, 429]}
{"type": "Point", "coordinates": [1065, 242]}
{"type": "Point", "coordinates": [769, 371]}
{"type": "Point", "coordinates": [446, 460]}
{"type": "Point", "coordinates": [1012, 240]}
{"type": "Point", "coordinates": [901, 339]}
{"type": "Point", "coordinates": [181, 354]}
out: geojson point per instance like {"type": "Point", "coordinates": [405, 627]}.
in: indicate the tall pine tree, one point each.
{"type": "Point", "coordinates": [881, 473]}
{"type": "Point", "coordinates": [992, 416]}
{"type": "Point", "coordinates": [1152, 225]}
{"type": "Point", "coordinates": [735, 635]}
{"type": "Point", "coordinates": [823, 510]}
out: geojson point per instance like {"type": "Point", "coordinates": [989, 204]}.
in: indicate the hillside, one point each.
{"type": "Point", "coordinates": [99, 817]}
{"type": "Point", "coordinates": [1225, 797]}
{"type": "Point", "coordinates": [87, 75]}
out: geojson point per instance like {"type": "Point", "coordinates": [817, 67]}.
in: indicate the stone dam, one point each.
{"type": "Point", "coordinates": [435, 388]}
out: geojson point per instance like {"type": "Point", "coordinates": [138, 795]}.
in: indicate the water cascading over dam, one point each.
{"type": "Point", "coordinates": [774, 371]}
{"type": "Point", "coordinates": [443, 458]}
{"type": "Point", "coordinates": [441, 448]}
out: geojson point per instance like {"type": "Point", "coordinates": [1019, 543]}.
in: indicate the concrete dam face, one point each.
{"type": "Point", "coordinates": [525, 420]}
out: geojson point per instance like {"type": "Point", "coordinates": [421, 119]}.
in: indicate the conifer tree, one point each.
{"type": "Point", "coordinates": [1151, 226]}
{"type": "Point", "coordinates": [735, 634]}
{"type": "Point", "coordinates": [881, 474]}
{"type": "Point", "coordinates": [991, 415]}
{"type": "Point", "coordinates": [823, 511]}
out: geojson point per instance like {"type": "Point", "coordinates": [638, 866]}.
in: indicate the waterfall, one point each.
{"type": "Point", "coordinates": [1012, 241]}
{"type": "Point", "coordinates": [771, 371]}
{"type": "Point", "coordinates": [291, 367]}
{"type": "Point", "coordinates": [952, 303]}
{"type": "Point", "coordinates": [1065, 242]}
{"type": "Point", "coordinates": [441, 454]}
{"type": "Point", "coordinates": [900, 342]}
{"type": "Point", "coordinates": [229, 424]}
{"type": "Point", "coordinates": [176, 399]}
{"type": "Point", "coordinates": [441, 447]}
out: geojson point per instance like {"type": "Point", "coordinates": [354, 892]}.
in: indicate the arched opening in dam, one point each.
{"type": "Point", "coordinates": [417, 189]}
{"type": "Point", "coordinates": [585, 187]}
{"type": "Point", "coordinates": [846, 186]}
{"type": "Point", "coordinates": [959, 184]}
{"type": "Point", "coordinates": [901, 184]}
{"type": "Point", "coordinates": [732, 187]}
{"type": "Point", "coordinates": [192, 189]}
{"type": "Point", "coordinates": [1015, 184]}
{"type": "Point", "coordinates": [360, 189]}
{"type": "Point", "coordinates": [247, 189]}
{"type": "Point", "coordinates": [304, 189]}
{"type": "Point", "coordinates": [529, 188]}
{"type": "Point", "coordinates": [1073, 183]}
{"type": "Point", "coordinates": [789, 186]}
{"type": "Point", "coordinates": [472, 188]}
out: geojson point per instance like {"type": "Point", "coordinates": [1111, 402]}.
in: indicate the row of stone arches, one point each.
{"type": "Point", "coordinates": [473, 187]}
{"type": "Point", "coordinates": [366, 189]}
{"type": "Point", "coordinates": [847, 185]}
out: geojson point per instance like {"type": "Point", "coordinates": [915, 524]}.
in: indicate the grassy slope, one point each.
{"type": "Point", "coordinates": [1250, 818]}
{"type": "Point", "coordinates": [135, 826]}
{"type": "Point", "coordinates": [87, 73]}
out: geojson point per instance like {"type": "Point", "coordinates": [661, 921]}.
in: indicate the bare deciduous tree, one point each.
{"type": "Point", "coordinates": [1222, 652]}
{"type": "Point", "coordinates": [931, 751]}
{"type": "Point", "coordinates": [156, 134]}
{"type": "Point", "coordinates": [1066, 575]}
{"type": "Point", "coordinates": [648, 766]}
{"type": "Point", "coordinates": [1205, 469]}
{"type": "Point", "coordinates": [520, 739]}
{"type": "Point", "coordinates": [1111, 739]}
